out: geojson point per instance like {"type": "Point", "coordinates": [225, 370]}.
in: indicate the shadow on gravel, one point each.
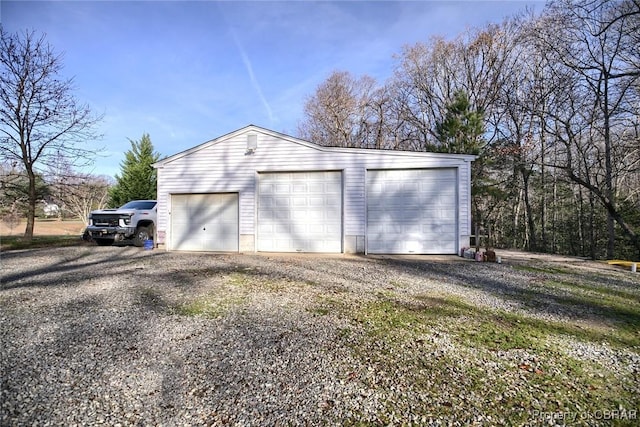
{"type": "Point", "coordinates": [541, 292]}
{"type": "Point", "coordinates": [84, 265]}
{"type": "Point", "coordinates": [106, 352]}
{"type": "Point", "coordinates": [545, 290]}
{"type": "Point", "coordinates": [100, 354]}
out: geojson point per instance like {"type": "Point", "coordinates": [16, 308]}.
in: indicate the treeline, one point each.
{"type": "Point", "coordinates": [550, 103]}
{"type": "Point", "coordinates": [62, 191]}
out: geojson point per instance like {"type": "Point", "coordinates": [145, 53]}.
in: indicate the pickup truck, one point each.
{"type": "Point", "coordinates": [134, 220]}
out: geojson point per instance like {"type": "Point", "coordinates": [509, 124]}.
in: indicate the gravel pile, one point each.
{"type": "Point", "coordinates": [122, 336]}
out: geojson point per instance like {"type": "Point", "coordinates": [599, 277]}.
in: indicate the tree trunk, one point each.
{"type": "Point", "coordinates": [592, 227]}
{"type": "Point", "coordinates": [31, 208]}
{"type": "Point", "coordinates": [611, 231]}
{"type": "Point", "coordinates": [608, 204]}
{"type": "Point", "coordinates": [516, 224]}
{"type": "Point", "coordinates": [580, 224]}
{"type": "Point", "coordinates": [543, 201]}
{"type": "Point", "coordinates": [554, 214]}
{"type": "Point", "coordinates": [530, 224]}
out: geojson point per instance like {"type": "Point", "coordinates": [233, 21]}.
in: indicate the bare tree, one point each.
{"type": "Point", "coordinates": [517, 117]}
{"type": "Point", "coordinates": [77, 193]}
{"type": "Point", "coordinates": [424, 84]}
{"type": "Point", "coordinates": [40, 119]}
{"type": "Point", "coordinates": [429, 75]}
{"type": "Point", "coordinates": [595, 47]}
{"type": "Point", "coordinates": [14, 186]}
{"type": "Point", "coordinates": [84, 193]}
{"type": "Point", "coordinates": [11, 219]}
{"type": "Point", "coordinates": [344, 112]}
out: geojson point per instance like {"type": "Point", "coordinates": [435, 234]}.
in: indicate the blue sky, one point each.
{"type": "Point", "coordinates": [186, 72]}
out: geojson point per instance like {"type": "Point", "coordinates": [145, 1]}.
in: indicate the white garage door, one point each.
{"type": "Point", "coordinates": [412, 211]}
{"type": "Point", "coordinates": [300, 212]}
{"type": "Point", "coordinates": [204, 222]}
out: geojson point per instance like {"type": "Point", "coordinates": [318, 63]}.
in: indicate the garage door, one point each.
{"type": "Point", "coordinates": [300, 212]}
{"type": "Point", "coordinates": [412, 211]}
{"type": "Point", "coordinates": [204, 222]}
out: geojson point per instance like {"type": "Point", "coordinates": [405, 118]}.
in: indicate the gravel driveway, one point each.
{"type": "Point", "coordinates": [122, 336]}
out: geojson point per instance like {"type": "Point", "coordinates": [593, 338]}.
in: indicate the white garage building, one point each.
{"type": "Point", "coordinates": [259, 190]}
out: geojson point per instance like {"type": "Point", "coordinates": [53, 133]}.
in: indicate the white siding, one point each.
{"type": "Point", "coordinates": [464, 207]}
{"type": "Point", "coordinates": [223, 165]}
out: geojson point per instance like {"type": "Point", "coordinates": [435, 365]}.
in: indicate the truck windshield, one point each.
{"type": "Point", "coordinates": [140, 205]}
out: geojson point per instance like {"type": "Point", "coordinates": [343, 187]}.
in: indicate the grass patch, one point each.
{"type": "Point", "coordinates": [438, 357]}
{"type": "Point", "coordinates": [541, 269]}
{"type": "Point", "coordinates": [210, 306]}
{"type": "Point", "coordinates": [326, 305]}
{"type": "Point", "coordinates": [10, 243]}
{"type": "Point", "coordinates": [616, 310]}
{"type": "Point", "coordinates": [151, 298]}
{"type": "Point", "coordinates": [598, 294]}
{"type": "Point", "coordinates": [397, 284]}
{"type": "Point", "coordinates": [322, 311]}
{"type": "Point", "coordinates": [233, 293]}
{"type": "Point", "coordinates": [502, 331]}
{"type": "Point", "coordinates": [249, 280]}
{"type": "Point", "coordinates": [242, 287]}
{"type": "Point", "coordinates": [394, 320]}
{"type": "Point", "coordinates": [498, 329]}
{"type": "Point", "coordinates": [239, 279]}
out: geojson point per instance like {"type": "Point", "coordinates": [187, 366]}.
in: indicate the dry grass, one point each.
{"type": "Point", "coordinates": [44, 227]}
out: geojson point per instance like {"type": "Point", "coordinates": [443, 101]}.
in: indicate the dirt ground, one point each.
{"type": "Point", "coordinates": [44, 227]}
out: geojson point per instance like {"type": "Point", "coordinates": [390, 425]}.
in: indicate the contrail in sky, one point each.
{"type": "Point", "coordinates": [252, 76]}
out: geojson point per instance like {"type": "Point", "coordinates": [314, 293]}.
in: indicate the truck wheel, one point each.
{"type": "Point", "coordinates": [104, 242]}
{"type": "Point", "coordinates": [142, 234]}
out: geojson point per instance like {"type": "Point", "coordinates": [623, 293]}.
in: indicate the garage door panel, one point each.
{"type": "Point", "coordinates": [204, 222]}
{"type": "Point", "coordinates": [280, 202]}
{"type": "Point", "coordinates": [299, 188]}
{"type": "Point", "coordinates": [317, 188]}
{"type": "Point", "coordinates": [266, 228]}
{"type": "Point", "coordinates": [317, 229]}
{"type": "Point", "coordinates": [412, 211]}
{"type": "Point", "coordinates": [298, 202]}
{"type": "Point", "coordinates": [318, 202]}
{"type": "Point", "coordinates": [267, 202]}
{"type": "Point", "coordinates": [437, 228]}
{"type": "Point", "coordinates": [307, 216]}
{"type": "Point", "coordinates": [282, 215]}
{"type": "Point", "coordinates": [334, 200]}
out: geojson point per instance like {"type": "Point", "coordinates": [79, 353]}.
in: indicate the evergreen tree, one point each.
{"type": "Point", "coordinates": [462, 127]}
{"type": "Point", "coordinates": [138, 180]}
{"type": "Point", "coordinates": [461, 131]}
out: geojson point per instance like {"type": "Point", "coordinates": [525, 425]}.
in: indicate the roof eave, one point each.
{"type": "Point", "coordinates": [161, 163]}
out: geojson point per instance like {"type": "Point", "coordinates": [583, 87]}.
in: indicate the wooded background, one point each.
{"type": "Point", "coordinates": [549, 102]}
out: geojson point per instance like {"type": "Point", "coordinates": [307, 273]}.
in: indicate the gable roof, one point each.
{"type": "Point", "coordinates": [253, 128]}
